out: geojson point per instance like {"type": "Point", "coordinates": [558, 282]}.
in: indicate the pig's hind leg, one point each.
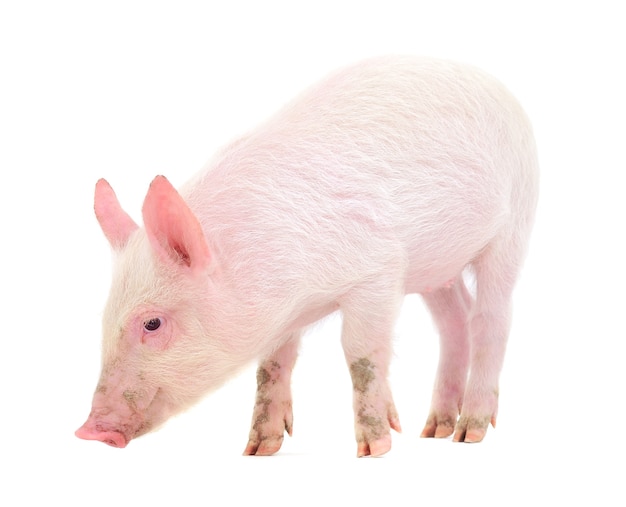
{"type": "Point", "coordinates": [449, 307]}
{"type": "Point", "coordinates": [496, 270]}
{"type": "Point", "coordinates": [368, 321]}
{"type": "Point", "coordinates": [273, 414]}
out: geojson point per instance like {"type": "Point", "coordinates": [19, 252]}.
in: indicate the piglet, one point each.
{"type": "Point", "coordinates": [392, 176]}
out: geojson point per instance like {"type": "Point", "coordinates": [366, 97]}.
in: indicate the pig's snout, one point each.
{"type": "Point", "coordinates": [92, 430]}
{"type": "Point", "coordinates": [109, 437]}
{"type": "Point", "coordinates": [118, 413]}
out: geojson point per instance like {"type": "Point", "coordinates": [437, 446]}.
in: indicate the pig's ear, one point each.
{"type": "Point", "coordinates": [115, 222]}
{"type": "Point", "coordinates": [173, 229]}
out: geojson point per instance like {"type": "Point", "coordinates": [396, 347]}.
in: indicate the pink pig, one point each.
{"type": "Point", "coordinates": [389, 177]}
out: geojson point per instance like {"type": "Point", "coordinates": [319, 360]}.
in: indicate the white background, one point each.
{"type": "Point", "coordinates": [127, 90]}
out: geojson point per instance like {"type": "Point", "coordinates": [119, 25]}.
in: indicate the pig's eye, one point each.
{"type": "Point", "coordinates": [152, 324]}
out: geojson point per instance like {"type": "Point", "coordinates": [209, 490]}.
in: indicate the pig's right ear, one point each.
{"type": "Point", "coordinates": [173, 229]}
{"type": "Point", "coordinates": [115, 222]}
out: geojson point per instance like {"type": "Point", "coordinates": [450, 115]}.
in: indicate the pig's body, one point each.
{"type": "Point", "coordinates": [390, 177]}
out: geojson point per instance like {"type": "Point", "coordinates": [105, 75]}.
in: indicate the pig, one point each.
{"type": "Point", "coordinates": [396, 175]}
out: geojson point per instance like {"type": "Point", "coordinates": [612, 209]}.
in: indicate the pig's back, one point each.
{"type": "Point", "coordinates": [414, 159]}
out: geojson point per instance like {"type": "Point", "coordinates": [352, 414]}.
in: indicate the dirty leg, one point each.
{"type": "Point", "coordinates": [272, 414]}
{"type": "Point", "coordinates": [366, 339]}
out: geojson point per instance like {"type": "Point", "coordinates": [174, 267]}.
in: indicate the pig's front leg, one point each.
{"type": "Point", "coordinates": [272, 414]}
{"type": "Point", "coordinates": [366, 339]}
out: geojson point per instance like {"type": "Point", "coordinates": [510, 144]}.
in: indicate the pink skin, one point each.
{"type": "Point", "coordinates": [122, 407]}
{"type": "Point", "coordinates": [335, 204]}
{"type": "Point", "coordinates": [117, 418]}
{"type": "Point", "coordinates": [113, 422]}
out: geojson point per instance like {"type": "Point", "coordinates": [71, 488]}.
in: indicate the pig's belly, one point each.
{"type": "Point", "coordinates": [306, 317]}
{"type": "Point", "coordinates": [423, 283]}
{"type": "Point", "coordinates": [426, 274]}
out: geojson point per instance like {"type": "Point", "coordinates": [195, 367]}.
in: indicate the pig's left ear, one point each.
{"type": "Point", "coordinates": [173, 229]}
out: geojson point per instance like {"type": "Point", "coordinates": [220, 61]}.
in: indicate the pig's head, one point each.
{"type": "Point", "coordinates": [159, 354]}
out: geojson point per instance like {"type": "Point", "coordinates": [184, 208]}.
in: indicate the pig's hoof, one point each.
{"type": "Point", "coordinates": [472, 429]}
{"type": "Point", "coordinates": [374, 448]}
{"type": "Point", "coordinates": [270, 422]}
{"type": "Point", "coordinates": [264, 447]}
{"type": "Point", "coordinates": [439, 426]}
{"type": "Point", "coordinates": [373, 432]}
